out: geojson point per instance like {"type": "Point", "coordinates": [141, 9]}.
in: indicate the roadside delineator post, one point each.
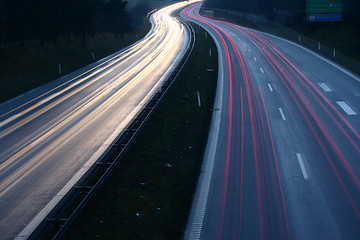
{"type": "Point", "coordinates": [198, 98]}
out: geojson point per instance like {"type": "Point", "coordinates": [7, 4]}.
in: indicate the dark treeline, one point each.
{"type": "Point", "coordinates": [22, 20]}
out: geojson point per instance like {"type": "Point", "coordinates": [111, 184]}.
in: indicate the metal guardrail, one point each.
{"type": "Point", "coordinates": [60, 218]}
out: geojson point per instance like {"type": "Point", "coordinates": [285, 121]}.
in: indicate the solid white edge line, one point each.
{"type": "Point", "coordinates": [197, 213]}
{"type": "Point", "coordinates": [302, 166]}
{"type": "Point", "coordinates": [282, 114]}
{"type": "Point", "coordinates": [346, 108]}
{"type": "Point", "coordinates": [325, 87]}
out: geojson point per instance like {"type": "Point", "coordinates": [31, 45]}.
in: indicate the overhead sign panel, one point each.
{"type": "Point", "coordinates": [323, 10]}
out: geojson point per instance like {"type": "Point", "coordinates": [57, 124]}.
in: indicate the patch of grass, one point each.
{"type": "Point", "coordinates": [344, 37]}
{"type": "Point", "coordinates": [149, 194]}
{"type": "Point", "coordinates": [25, 68]}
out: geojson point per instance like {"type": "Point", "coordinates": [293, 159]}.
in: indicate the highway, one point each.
{"type": "Point", "coordinates": [283, 154]}
{"type": "Point", "coordinates": [51, 136]}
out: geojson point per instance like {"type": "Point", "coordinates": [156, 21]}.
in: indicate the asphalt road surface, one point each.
{"type": "Point", "coordinates": [283, 156]}
{"type": "Point", "coordinates": [50, 137]}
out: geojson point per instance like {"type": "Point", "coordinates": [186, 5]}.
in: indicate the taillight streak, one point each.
{"type": "Point", "coordinates": [282, 71]}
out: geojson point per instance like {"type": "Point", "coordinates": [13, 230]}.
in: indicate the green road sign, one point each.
{"type": "Point", "coordinates": [323, 6]}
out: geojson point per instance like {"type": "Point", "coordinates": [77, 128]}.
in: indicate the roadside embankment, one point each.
{"type": "Point", "coordinates": [25, 68]}
{"type": "Point", "coordinates": [336, 41]}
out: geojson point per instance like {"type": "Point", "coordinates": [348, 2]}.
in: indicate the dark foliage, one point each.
{"type": "Point", "coordinates": [295, 8]}
{"type": "Point", "coordinates": [115, 15]}
{"type": "Point", "coordinates": [21, 20]}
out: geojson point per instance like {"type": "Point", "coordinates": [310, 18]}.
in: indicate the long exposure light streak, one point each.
{"type": "Point", "coordinates": [52, 135]}
{"type": "Point", "coordinates": [250, 194]}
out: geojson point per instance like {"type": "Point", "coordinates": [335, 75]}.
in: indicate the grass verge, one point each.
{"type": "Point", "coordinates": [149, 195]}
{"type": "Point", "coordinates": [340, 36]}
{"type": "Point", "coordinates": [25, 68]}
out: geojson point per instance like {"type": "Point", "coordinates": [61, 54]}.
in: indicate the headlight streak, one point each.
{"type": "Point", "coordinates": [144, 62]}
{"type": "Point", "coordinates": [150, 40]}
{"type": "Point", "coordinates": [87, 74]}
{"type": "Point", "coordinates": [135, 72]}
{"type": "Point", "coordinates": [132, 68]}
{"type": "Point", "coordinates": [109, 95]}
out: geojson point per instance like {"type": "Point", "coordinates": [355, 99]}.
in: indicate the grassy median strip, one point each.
{"type": "Point", "coordinates": [149, 195]}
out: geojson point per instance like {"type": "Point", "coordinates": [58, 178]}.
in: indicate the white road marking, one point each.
{"type": "Point", "coordinates": [346, 108]}
{"type": "Point", "coordinates": [255, 59]}
{"type": "Point", "coordinates": [197, 214]}
{"type": "Point", "coordinates": [10, 119]}
{"type": "Point", "coordinates": [262, 71]}
{"type": "Point", "coordinates": [282, 114]}
{"type": "Point", "coordinates": [249, 50]}
{"type": "Point", "coordinates": [302, 166]}
{"type": "Point", "coordinates": [325, 87]}
{"type": "Point", "coordinates": [271, 89]}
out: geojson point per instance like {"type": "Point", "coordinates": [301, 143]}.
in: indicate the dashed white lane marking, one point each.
{"type": "Point", "coordinates": [249, 50]}
{"type": "Point", "coordinates": [302, 166]}
{"type": "Point", "coordinates": [270, 87]}
{"type": "Point", "coordinates": [346, 108]}
{"type": "Point", "coordinates": [262, 71]}
{"type": "Point", "coordinates": [255, 59]}
{"type": "Point", "coordinates": [325, 87]}
{"type": "Point", "coordinates": [282, 114]}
